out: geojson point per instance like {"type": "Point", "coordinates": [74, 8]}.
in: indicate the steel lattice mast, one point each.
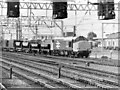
{"type": "Point", "coordinates": [37, 20]}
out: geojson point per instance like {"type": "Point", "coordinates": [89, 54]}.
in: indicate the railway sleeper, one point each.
{"type": "Point", "coordinates": [110, 82]}
{"type": "Point", "coordinates": [51, 78]}
{"type": "Point", "coordinates": [57, 72]}
{"type": "Point", "coordinates": [96, 79]}
{"type": "Point", "coordinates": [100, 80]}
{"type": "Point", "coordinates": [110, 74]}
{"type": "Point", "coordinates": [87, 81]}
{"type": "Point", "coordinates": [44, 84]}
{"type": "Point", "coordinates": [48, 86]}
{"type": "Point", "coordinates": [97, 62]}
{"type": "Point", "coordinates": [87, 78]}
{"type": "Point", "coordinates": [80, 78]}
{"type": "Point", "coordinates": [29, 78]}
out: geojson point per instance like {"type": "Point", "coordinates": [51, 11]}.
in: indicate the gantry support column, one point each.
{"type": "Point", "coordinates": [18, 30]}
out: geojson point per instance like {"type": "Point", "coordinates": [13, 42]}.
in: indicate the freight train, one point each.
{"type": "Point", "coordinates": [61, 46]}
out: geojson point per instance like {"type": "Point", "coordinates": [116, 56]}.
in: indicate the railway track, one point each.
{"type": "Point", "coordinates": [94, 79]}
{"type": "Point", "coordinates": [17, 81]}
{"type": "Point", "coordinates": [39, 78]}
{"type": "Point", "coordinates": [90, 60]}
{"type": "Point", "coordinates": [79, 64]}
{"type": "Point", "coordinates": [79, 60]}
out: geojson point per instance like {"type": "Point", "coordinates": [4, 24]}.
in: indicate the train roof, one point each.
{"type": "Point", "coordinates": [65, 38]}
{"type": "Point", "coordinates": [71, 38]}
{"type": "Point", "coordinates": [48, 41]}
{"type": "Point", "coordinates": [35, 41]}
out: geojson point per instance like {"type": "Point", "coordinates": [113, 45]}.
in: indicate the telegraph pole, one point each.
{"type": "Point", "coordinates": [74, 32]}
{"type": "Point", "coordinates": [102, 35]}
{"type": "Point", "coordinates": [36, 32]}
{"type": "Point", "coordinates": [18, 29]}
{"type": "Point", "coordinates": [62, 28]}
{"type": "Point", "coordinates": [2, 33]}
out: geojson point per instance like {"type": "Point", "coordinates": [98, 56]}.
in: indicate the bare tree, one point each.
{"type": "Point", "coordinates": [91, 35]}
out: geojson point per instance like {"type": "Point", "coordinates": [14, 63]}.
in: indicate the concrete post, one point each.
{"type": "Point", "coordinates": [10, 72]}
{"type": "Point", "coordinates": [59, 71]}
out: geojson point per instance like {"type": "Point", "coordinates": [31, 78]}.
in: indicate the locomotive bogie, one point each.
{"type": "Point", "coordinates": [62, 52]}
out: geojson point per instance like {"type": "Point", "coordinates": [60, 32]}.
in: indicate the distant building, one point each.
{"type": "Point", "coordinates": [113, 35]}
{"type": "Point", "coordinates": [43, 36]}
{"type": "Point", "coordinates": [112, 41]}
{"type": "Point", "coordinates": [68, 34]}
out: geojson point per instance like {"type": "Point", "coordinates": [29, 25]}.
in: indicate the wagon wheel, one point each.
{"type": "Point", "coordinates": [87, 55]}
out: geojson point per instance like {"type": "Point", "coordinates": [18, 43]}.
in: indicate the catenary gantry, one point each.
{"type": "Point", "coordinates": [48, 6]}
{"type": "Point", "coordinates": [31, 6]}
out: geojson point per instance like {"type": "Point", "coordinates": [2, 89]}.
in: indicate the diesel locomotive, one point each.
{"type": "Point", "coordinates": [61, 46]}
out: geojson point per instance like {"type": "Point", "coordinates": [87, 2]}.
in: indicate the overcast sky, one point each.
{"type": "Point", "coordinates": [84, 20]}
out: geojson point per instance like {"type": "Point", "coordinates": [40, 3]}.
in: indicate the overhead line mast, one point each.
{"type": "Point", "coordinates": [48, 6]}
